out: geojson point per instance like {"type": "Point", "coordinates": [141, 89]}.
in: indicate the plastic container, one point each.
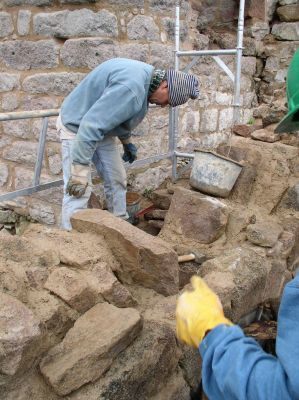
{"type": "Point", "coordinates": [133, 206]}
{"type": "Point", "coordinates": [214, 174]}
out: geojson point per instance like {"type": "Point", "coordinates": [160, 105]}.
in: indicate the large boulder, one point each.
{"type": "Point", "coordinates": [143, 259]}
{"type": "Point", "coordinates": [239, 277]}
{"type": "Point", "coordinates": [89, 348]}
{"type": "Point", "coordinates": [141, 370]}
{"type": "Point", "coordinates": [193, 216]}
{"type": "Point", "coordinates": [264, 233]}
{"type": "Point", "coordinates": [20, 336]}
{"type": "Point", "coordinates": [56, 317]}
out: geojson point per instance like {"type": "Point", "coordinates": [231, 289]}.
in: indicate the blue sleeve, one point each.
{"type": "Point", "coordinates": [116, 105]}
{"type": "Point", "coordinates": [236, 368]}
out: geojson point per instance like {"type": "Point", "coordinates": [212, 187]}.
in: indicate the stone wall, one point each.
{"type": "Point", "coordinates": [48, 46]}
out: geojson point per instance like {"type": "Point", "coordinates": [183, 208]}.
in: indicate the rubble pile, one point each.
{"type": "Point", "coordinates": [90, 314]}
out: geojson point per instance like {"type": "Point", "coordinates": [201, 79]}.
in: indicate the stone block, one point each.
{"type": "Point", "coordinates": [10, 102]}
{"type": "Point", "coordinates": [127, 3]}
{"type": "Point", "coordinates": [144, 259]}
{"type": "Point", "coordinates": [227, 40]}
{"type": "Point", "coordinates": [83, 22]}
{"type": "Point", "coordinates": [6, 24]}
{"type": "Point", "coordinates": [256, 9]}
{"type": "Point", "coordinates": [264, 233]}
{"type": "Point", "coordinates": [43, 213]}
{"type": "Point", "coordinates": [19, 336]}
{"type": "Point", "coordinates": [95, 341]}
{"type": "Point", "coordinates": [23, 55]}
{"type": "Point", "coordinates": [52, 134]}
{"type": "Point", "coordinates": [32, 102]}
{"type": "Point", "coordinates": [23, 23]}
{"type": "Point", "coordinates": [265, 135]}
{"type": "Point", "coordinates": [133, 50]}
{"type": "Point", "coordinates": [225, 118]}
{"type": "Point", "coordinates": [288, 13]}
{"type": "Point", "coordinates": [291, 198]}
{"type": "Point", "coordinates": [286, 31]}
{"type": "Point", "coordinates": [8, 217]}
{"type": "Point", "coordinates": [285, 2]}
{"type": "Point", "coordinates": [174, 388]}
{"type": "Point", "coordinates": [3, 174]}
{"type": "Point", "coordinates": [244, 130]}
{"type": "Point", "coordinates": [190, 122]}
{"type": "Point", "coordinates": [55, 164]}
{"type": "Point", "coordinates": [195, 216]}
{"type": "Point", "coordinates": [209, 120]}
{"type": "Point", "coordinates": [18, 128]}
{"type": "Point", "coordinates": [161, 199]}
{"type": "Point", "coordinates": [60, 83]}
{"type": "Point", "coordinates": [258, 29]}
{"type": "Point", "coordinates": [53, 313]}
{"type": "Point", "coordinates": [9, 82]}
{"type": "Point", "coordinates": [31, 386]}
{"type": "Point", "coordinates": [13, 277]}
{"type": "Point", "coordinates": [161, 55]}
{"type": "Point", "coordinates": [133, 374]}
{"type": "Point", "coordinates": [143, 27]}
{"type": "Point", "coordinates": [163, 6]}
{"type": "Point", "coordinates": [37, 3]}
{"type": "Point", "coordinates": [87, 52]}
{"type": "Point", "coordinates": [155, 214]}
{"type": "Point", "coordinates": [223, 99]}
{"type": "Point", "coordinates": [169, 27]}
{"type": "Point", "coordinates": [72, 287]}
{"type": "Point", "coordinates": [106, 285]}
{"type": "Point", "coordinates": [21, 152]}
{"type": "Point", "coordinates": [241, 282]}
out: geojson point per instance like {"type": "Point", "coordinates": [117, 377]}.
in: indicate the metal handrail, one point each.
{"type": "Point", "coordinates": [37, 186]}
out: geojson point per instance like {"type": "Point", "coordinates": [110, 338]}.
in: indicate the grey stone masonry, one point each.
{"type": "Point", "coordinates": [143, 28]}
{"type": "Point", "coordinates": [55, 83]}
{"type": "Point", "coordinates": [286, 31]}
{"type": "Point", "coordinates": [128, 3]}
{"type": "Point", "coordinates": [160, 6]}
{"type": "Point", "coordinates": [137, 51]}
{"type": "Point", "coordinates": [23, 24]}
{"type": "Point", "coordinates": [9, 82]}
{"type": "Point", "coordinates": [284, 2]}
{"type": "Point", "coordinates": [19, 128]}
{"type": "Point", "coordinates": [87, 52]}
{"type": "Point", "coordinates": [6, 25]}
{"type": "Point", "coordinates": [3, 174]}
{"type": "Point", "coordinates": [64, 24]}
{"type": "Point", "coordinates": [12, 3]}
{"type": "Point", "coordinates": [23, 152]}
{"type": "Point", "coordinates": [288, 13]}
{"type": "Point", "coordinates": [24, 55]}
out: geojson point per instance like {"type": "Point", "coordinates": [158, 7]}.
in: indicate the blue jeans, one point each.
{"type": "Point", "coordinates": [110, 167]}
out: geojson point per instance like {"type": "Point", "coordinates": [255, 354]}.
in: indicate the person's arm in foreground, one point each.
{"type": "Point", "coordinates": [234, 366]}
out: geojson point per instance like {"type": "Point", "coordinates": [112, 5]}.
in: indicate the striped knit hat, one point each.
{"type": "Point", "coordinates": [181, 87]}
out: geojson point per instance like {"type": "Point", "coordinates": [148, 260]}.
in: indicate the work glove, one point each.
{"type": "Point", "coordinates": [130, 152]}
{"type": "Point", "coordinates": [78, 181]}
{"type": "Point", "coordinates": [197, 312]}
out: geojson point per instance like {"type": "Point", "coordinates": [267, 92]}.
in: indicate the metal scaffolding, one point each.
{"type": "Point", "coordinates": [173, 130]}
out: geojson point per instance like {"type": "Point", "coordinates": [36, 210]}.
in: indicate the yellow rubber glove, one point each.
{"type": "Point", "coordinates": [197, 312]}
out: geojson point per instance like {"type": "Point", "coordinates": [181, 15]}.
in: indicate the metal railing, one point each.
{"type": "Point", "coordinates": [173, 131]}
{"type": "Point", "coordinates": [236, 78]}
